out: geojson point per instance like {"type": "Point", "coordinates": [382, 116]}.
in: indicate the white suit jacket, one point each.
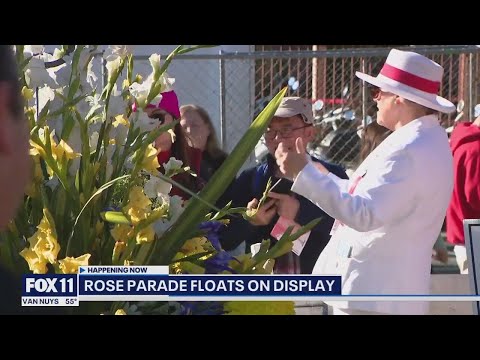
{"type": "Point", "coordinates": [391, 220]}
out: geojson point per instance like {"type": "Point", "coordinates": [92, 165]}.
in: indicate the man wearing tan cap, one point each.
{"type": "Point", "coordinates": [293, 119]}
{"type": "Point", "coordinates": [390, 213]}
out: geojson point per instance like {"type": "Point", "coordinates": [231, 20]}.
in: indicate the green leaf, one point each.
{"type": "Point", "coordinates": [196, 210]}
{"type": "Point", "coordinates": [115, 217]}
{"type": "Point", "coordinates": [194, 47]}
{"type": "Point", "coordinates": [249, 214]}
{"type": "Point", "coordinates": [110, 216]}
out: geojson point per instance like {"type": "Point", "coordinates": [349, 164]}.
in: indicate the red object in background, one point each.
{"type": "Point", "coordinates": [330, 101]}
{"type": "Point", "coordinates": [195, 156]}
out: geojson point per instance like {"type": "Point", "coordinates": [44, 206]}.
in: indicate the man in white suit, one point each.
{"type": "Point", "coordinates": [390, 212]}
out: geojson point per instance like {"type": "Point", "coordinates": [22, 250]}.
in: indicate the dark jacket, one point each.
{"type": "Point", "coordinates": [210, 165]}
{"type": "Point", "coordinates": [251, 184]}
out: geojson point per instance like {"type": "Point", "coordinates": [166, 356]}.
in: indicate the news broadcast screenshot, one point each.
{"type": "Point", "coordinates": [240, 179]}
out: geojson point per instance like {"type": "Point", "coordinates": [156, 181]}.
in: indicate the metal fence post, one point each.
{"type": "Point", "coordinates": [223, 139]}
{"type": "Point", "coordinates": [364, 97]}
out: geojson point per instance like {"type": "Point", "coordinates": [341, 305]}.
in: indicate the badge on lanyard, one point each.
{"type": "Point", "coordinates": [344, 249]}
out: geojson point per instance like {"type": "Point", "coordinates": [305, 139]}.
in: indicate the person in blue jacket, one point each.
{"type": "Point", "coordinates": [293, 119]}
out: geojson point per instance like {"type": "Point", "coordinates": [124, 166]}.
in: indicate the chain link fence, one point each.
{"type": "Point", "coordinates": [234, 87]}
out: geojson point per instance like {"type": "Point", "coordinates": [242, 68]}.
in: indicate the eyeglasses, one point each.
{"type": "Point", "coordinates": [285, 133]}
{"type": "Point", "coordinates": [375, 92]}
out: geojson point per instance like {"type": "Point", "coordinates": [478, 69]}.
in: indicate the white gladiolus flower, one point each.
{"type": "Point", "coordinates": [47, 94]}
{"type": "Point", "coordinates": [37, 75]}
{"type": "Point", "coordinates": [95, 100]}
{"type": "Point", "coordinates": [173, 165]}
{"type": "Point", "coordinates": [156, 187]}
{"type": "Point", "coordinates": [175, 209]}
{"type": "Point", "coordinates": [91, 77]}
{"type": "Point", "coordinates": [62, 72]}
{"type": "Point", "coordinates": [146, 123]}
{"type": "Point", "coordinates": [155, 62]}
{"type": "Point", "coordinates": [113, 66]}
{"type": "Point", "coordinates": [167, 82]}
{"type": "Point", "coordinates": [113, 52]}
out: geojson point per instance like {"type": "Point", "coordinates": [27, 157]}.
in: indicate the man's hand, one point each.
{"type": "Point", "coordinates": [264, 215]}
{"type": "Point", "coordinates": [291, 161]}
{"type": "Point", "coordinates": [287, 205]}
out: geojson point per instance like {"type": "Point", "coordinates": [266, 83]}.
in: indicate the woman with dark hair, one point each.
{"type": "Point", "coordinates": [200, 132]}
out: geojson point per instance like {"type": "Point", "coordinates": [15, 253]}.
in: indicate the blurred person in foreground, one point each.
{"type": "Point", "coordinates": [15, 165]}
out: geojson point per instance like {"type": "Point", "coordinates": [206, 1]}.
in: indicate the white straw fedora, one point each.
{"type": "Point", "coordinates": [413, 77]}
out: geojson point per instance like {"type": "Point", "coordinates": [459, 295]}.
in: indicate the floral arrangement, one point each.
{"type": "Point", "coordinates": [97, 195]}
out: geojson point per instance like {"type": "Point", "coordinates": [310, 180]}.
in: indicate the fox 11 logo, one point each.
{"type": "Point", "coordinates": [50, 290]}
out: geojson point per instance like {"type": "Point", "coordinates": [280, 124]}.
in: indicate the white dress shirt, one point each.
{"type": "Point", "coordinates": [392, 219]}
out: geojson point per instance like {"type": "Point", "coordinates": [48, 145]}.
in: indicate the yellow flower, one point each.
{"type": "Point", "coordinates": [194, 245]}
{"type": "Point", "coordinates": [139, 205]}
{"type": "Point", "coordinates": [43, 242]}
{"type": "Point", "coordinates": [120, 312]}
{"type": "Point", "coordinates": [136, 214]}
{"type": "Point", "coordinates": [259, 308]}
{"type": "Point", "coordinates": [184, 267]}
{"type": "Point", "coordinates": [120, 120]}
{"type": "Point", "coordinates": [64, 149]}
{"type": "Point", "coordinates": [46, 247]}
{"type": "Point", "coordinates": [27, 93]}
{"type": "Point", "coordinates": [37, 150]}
{"type": "Point", "coordinates": [146, 235]}
{"type": "Point", "coordinates": [37, 171]}
{"type": "Point", "coordinates": [35, 264]}
{"type": "Point", "coordinates": [117, 250]}
{"type": "Point", "coordinates": [70, 265]}
{"type": "Point", "coordinates": [137, 197]}
{"type": "Point", "coordinates": [150, 160]}
{"type": "Point", "coordinates": [46, 224]}
{"type": "Point", "coordinates": [121, 232]}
